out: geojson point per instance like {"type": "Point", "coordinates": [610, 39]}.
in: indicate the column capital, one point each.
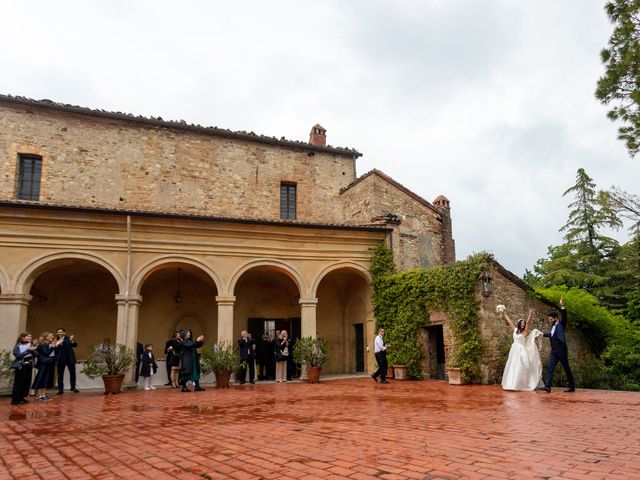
{"type": "Point", "coordinates": [308, 302]}
{"type": "Point", "coordinates": [15, 298]}
{"type": "Point", "coordinates": [226, 300]}
{"type": "Point", "coordinates": [132, 299]}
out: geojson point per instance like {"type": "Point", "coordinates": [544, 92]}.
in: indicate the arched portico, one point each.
{"type": "Point", "coordinates": [162, 262]}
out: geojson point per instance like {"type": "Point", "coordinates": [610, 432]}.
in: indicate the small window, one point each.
{"type": "Point", "coordinates": [288, 201]}
{"type": "Point", "coordinates": [29, 171]}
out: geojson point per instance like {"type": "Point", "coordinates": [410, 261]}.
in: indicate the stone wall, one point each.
{"type": "Point", "coordinates": [417, 240]}
{"type": "Point", "coordinates": [497, 336]}
{"type": "Point", "coordinates": [101, 162]}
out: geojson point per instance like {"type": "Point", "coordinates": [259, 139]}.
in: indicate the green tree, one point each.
{"type": "Point", "coordinates": [587, 259]}
{"type": "Point", "coordinates": [619, 87]}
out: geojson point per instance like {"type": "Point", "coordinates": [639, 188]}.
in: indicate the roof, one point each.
{"type": "Point", "coordinates": [46, 104]}
{"type": "Point", "coordinates": [206, 218]}
{"type": "Point", "coordinates": [399, 186]}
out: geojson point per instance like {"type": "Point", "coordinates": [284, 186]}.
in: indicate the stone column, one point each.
{"type": "Point", "coordinates": [13, 317]}
{"type": "Point", "coordinates": [308, 327]}
{"type": "Point", "coordinates": [225, 318]}
{"type": "Point", "coordinates": [127, 327]}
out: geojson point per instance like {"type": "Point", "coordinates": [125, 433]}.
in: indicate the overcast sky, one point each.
{"type": "Point", "coordinates": [489, 103]}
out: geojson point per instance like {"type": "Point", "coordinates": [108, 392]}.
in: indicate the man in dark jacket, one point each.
{"type": "Point", "coordinates": [66, 357]}
{"type": "Point", "coordinates": [559, 351]}
{"type": "Point", "coordinates": [247, 356]}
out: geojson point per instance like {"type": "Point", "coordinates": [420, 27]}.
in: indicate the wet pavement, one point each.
{"type": "Point", "coordinates": [347, 428]}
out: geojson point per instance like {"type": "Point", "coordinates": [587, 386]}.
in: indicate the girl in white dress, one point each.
{"type": "Point", "coordinates": [524, 367]}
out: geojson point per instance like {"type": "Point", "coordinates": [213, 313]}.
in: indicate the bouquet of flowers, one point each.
{"type": "Point", "coordinates": [500, 308]}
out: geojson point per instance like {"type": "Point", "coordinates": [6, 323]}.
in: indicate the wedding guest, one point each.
{"type": "Point", "coordinates": [149, 367]}
{"type": "Point", "coordinates": [45, 352]}
{"type": "Point", "coordinates": [263, 356]}
{"type": "Point", "coordinates": [523, 370]}
{"type": "Point", "coordinates": [66, 358]}
{"type": "Point", "coordinates": [22, 365]}
{"type": "Point", "coordinates": [282, 355]}
{"type": "Point", "coordinates": [190, 360]}
{"type": "Point", "coordinates": [139, 354]}
{"type": "Point", "coordinates": [559, 352]}
{"type": "Point", "coordinates": [380, 352]}
{"type": "Point", "coordinates": [172, 359]}
{"type": "Point", "coordinates": [245, 347]}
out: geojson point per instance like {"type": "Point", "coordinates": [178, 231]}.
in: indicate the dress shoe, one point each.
{"type": "Point", "coordinates": [375, 379]}
{"type": "Point", "coordinates": [547, 389]}
{"type": "Point", "coordinates": [198, 389]}
{"type": "Point", "coordinates": [60, 392]}
{"type": "Point", "coordinates": [570, 389]}
{"type": "Point", "coordinates": [168, 384]}
{"type": "Point", "coordinates": [384, 381]}
{"type": "Point", "coordinates": [75, 390]}
{"type": "Point", "coordinates": [19, 402]}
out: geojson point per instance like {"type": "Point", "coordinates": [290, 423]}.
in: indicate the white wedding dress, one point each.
{"type": "Point", "coordinates": [524, 367]}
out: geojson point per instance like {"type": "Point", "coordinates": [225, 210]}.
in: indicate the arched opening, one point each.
{"type": "Point", "coordinates": [343, 319]}
{"type": "Point", "coordinates": [77, 295]}
{"type": "Point", "coordinates": [177, 295]}
{"type": "Point", "coordinates": [267, 299]}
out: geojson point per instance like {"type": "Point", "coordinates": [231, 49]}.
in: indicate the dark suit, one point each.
{"type": "Point", "coordinates": [247, 355]}
{"type": "Point", "coordinates": [559, 351]}
{"type": "Point", "coordinates": [66, 357]}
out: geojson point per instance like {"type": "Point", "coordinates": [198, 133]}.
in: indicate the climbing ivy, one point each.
{"type": "Point", "coordinates": [401, 304]}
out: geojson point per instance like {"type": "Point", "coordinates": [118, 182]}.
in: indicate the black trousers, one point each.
{"type": "Point", "coordinates": [21, 383]}
{"type": "Point", "coordinates": [72, 375]}
{"type": "Point", "coordinates": [252, 370]}
{"type": "Point", "coordinates": [562, 357]}
{"type": "Point", "coordinates": [381, 358]}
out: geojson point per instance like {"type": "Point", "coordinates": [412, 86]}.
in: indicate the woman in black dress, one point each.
{"type": "Point", "coordinates": [46, 354]}
{"type": "Point", "coordinates": [172, 358]}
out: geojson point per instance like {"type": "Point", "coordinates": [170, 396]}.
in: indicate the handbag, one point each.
{"type": "Point", "coordinates": [285, 352]}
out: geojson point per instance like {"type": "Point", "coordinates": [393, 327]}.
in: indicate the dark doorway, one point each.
{"type": "Point", "coordinates": [433, 344]}
{"type": "Point", "coordinates": [259, 326]}
{"type": "Point", "coordinates": [359, 347]}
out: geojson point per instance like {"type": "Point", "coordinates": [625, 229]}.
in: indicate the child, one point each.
{"type": "Point", "coordinates": [149, 366]}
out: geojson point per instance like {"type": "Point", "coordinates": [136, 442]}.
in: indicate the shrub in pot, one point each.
{"type": "Point", "coordinates": [221, 359]}
{"type": "Point", "coordinates": [312, 352]}
{"type": "Point", "coordinates": [109, 361]}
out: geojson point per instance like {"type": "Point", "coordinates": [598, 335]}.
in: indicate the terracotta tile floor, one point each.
{"type": "Point", "coordinates": [348, 428]}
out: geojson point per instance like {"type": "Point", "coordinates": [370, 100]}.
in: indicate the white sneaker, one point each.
{"type": "Point", "coordinates": [152, 387]}
{"type": "Point", "coordinates": [147, 388]}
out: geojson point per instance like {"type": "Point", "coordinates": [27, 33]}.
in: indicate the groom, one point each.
{"type": "Point", "coordinates": [559, 351]}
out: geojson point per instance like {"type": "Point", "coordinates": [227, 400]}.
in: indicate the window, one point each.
{"type": "Point", "coordinates": [29, 170]}
{"type": "Point", "coordinates": [288, 201]}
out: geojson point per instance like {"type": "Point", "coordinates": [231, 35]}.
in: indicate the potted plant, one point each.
{"type": "Point", "coordinates": [221, 359]}
{"type": "Point", "coordinates": [6, 372]}
{"type": "Point", "coordinates": [109, 361]}
{"type": "Point", "coordinates": [314, 354]}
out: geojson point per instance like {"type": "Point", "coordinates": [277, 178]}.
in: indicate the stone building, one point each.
{"type": "Point", "coordinates": [123, 227]}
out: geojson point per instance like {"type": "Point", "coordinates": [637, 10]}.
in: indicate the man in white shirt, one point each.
{"type": "Point", "coordinates": [380, 351]}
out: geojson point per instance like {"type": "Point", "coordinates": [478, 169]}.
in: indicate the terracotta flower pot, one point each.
{"type": "Point", "coordinates": [400, 372]}
{"type": "Point", "coordinates": [222, 378]}
{"type": "Point", "coordinates": [390, 373]}
{"type": "Point", "coordinates": [313, 374]}
{"type": "Point", "coordinates": [112, 383]}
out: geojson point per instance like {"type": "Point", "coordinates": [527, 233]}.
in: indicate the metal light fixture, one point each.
{"type": "Point", "coordinates": [178, 296]}
{"type": "Point", "coordinates": [487, 287]}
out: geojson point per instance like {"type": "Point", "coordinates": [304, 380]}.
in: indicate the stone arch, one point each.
{"type": "Point", "coordinates": [287, 269]}
{"type": "Point", "coordinates": [29, 273]}
{"type": "Point", "coordinates": [359, 269]}
{"type": "Point", "coordinates": [143, 273]}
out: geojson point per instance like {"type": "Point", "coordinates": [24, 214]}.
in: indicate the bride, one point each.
{"type": "Point", "coordinates": [524, 367]}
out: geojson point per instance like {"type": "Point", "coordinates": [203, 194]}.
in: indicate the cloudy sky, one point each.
{"type": "Point", "coordinates": [487, 102]}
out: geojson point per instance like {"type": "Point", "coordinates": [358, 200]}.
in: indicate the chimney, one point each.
{"type": "Point", "coordinates": [318, 136]}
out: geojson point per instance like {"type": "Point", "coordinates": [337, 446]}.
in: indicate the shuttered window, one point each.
{"type": "Point", "coordinates": [288, 201]}
{"type": "Point", "coordinates": [29, 171]}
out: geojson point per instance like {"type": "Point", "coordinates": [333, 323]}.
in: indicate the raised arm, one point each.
{"type": "Point", "coordinates": [527, 325]}
{"type": "Point", "coordinates": [563, 313]}
{"type": "Point", "coordinates": [509, 322]}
